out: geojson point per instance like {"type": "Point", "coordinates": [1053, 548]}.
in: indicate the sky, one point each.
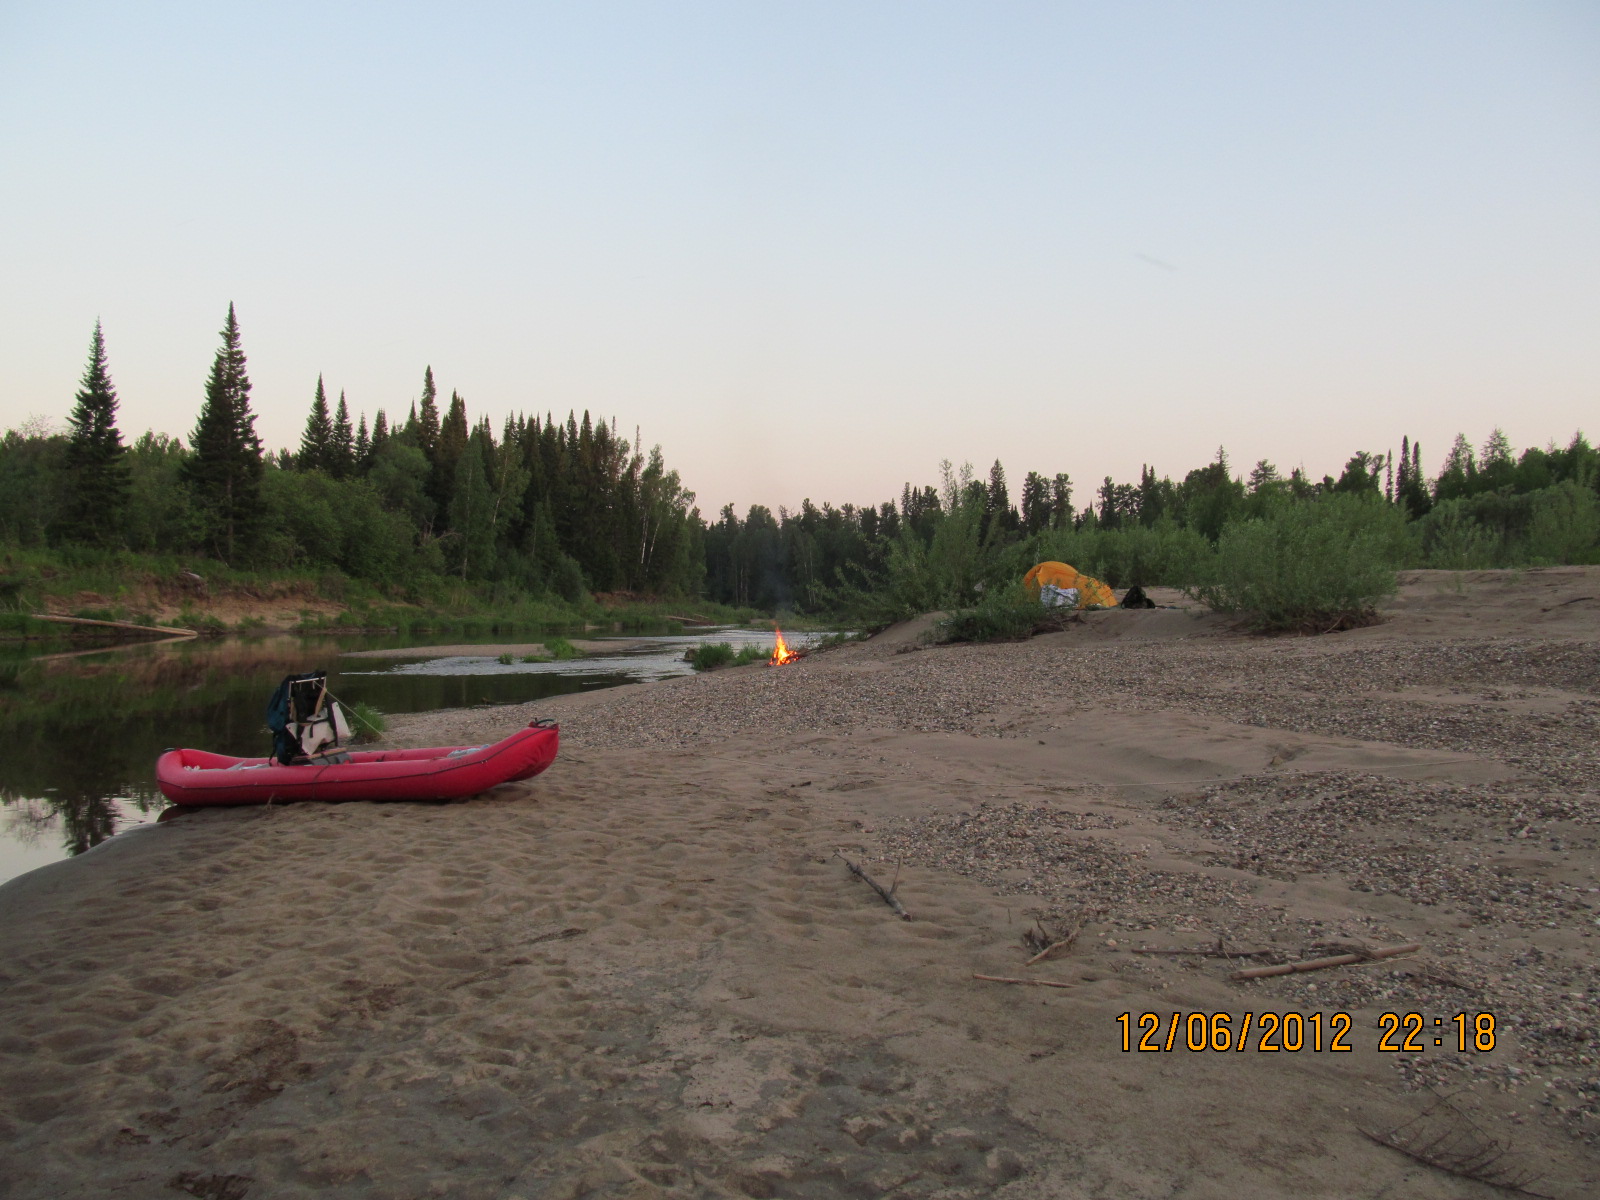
{"type": "Point", "coordinates": [812, 249]}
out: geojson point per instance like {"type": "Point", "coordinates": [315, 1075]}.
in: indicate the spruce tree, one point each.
{"type": "Point", "coordinates": [380, 432]}
{"type": "Point", "coordinates": [1411, 489]}
{"type": "Point", "coordinates": [317, 441]}
{"type": "Point", "coordinates": [96, 462]}
{"type": "Point", "coordinates": [1061, 501]}
{"type": "Point", "coordinates": [450, 445]}
{"type": "Point", "coordinates": [363, 445]}
{"type": "Point", "coordinates": [426, 423]}
{"type": "Point", "coordinates": [224, 472]}
{"type": "Point", "coordinates": [1035, 503]}
{"type": "Point", "coordinates": [342, 446]}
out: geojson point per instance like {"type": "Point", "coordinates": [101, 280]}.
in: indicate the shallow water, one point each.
{"type": "Point", "coordinates": [80, 732]}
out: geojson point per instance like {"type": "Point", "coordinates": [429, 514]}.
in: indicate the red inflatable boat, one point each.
{"type": "Point", "coordinates": [195, 777]}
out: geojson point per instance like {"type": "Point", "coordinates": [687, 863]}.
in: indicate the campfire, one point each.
{"type": "Point", "coordinates": [781, 654]}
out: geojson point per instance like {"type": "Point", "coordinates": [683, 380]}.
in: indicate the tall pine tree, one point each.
{"type": "Point", "coordinates": [96, 463]}
{"type": "Point", "coordinates": [317, 440]}
{"type": "Point", "coordinates": [449, 446]}
{"type": "Point", "coordinates": [224, 473]}
{"type": "Point", "coordinates": [380, 433]}
{"type": "Point", "coordinates": [427, 422]}
{"type": "Point", "coordinates": [342, 446]}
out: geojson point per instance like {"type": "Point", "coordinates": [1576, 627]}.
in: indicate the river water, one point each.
{"type": "Point", "coordinates": [80, 731]}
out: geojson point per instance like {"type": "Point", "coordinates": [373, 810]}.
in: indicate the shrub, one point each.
{"type": "Point", "coordinates": [505, 659]}
{"type": "Point", "coordinates": [1556, 524]}
{"type": "Point", "coordinates": [560, 649]}
{"type": "Point", "coordinates": [709, 656]}
{"type": "Point", "coordinates": [1309, 566]}
{"type": "Point", "coordinates": [367, 723]}
{"type": "Point", "coordinates": [1451, 539]}
{"type": "Point", "coordinates": [1564, 524]}
{"type": "Point", "coordinates": [1008, 614]}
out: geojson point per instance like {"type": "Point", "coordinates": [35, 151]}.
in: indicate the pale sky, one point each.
{"type": "Point", "coordinates": [811, 248]}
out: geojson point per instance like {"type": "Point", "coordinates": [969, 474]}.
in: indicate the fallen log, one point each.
{"type": "Point", "coordinates": [887, 894]}
{"type": "Point", "coordinates": [1319, 964]}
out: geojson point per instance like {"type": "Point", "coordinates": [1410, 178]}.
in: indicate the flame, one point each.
{"type": "Point", "coordinates": [781, 653]}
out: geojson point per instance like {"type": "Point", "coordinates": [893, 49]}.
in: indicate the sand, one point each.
{"type": "Point", "coordinates": [647, 974]}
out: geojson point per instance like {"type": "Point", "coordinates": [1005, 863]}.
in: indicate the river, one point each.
{"type": "Point", "coordinates": [80, 731]}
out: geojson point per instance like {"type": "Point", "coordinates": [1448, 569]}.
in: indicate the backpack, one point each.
{"type": "Point", "coordinates": [1137, 599]}
{"type": "Point", "coordinates": [305, 721]}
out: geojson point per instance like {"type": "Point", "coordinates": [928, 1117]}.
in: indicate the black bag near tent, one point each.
{"type": "Point", "coordinates": [1136, 598]}
{"type": "Point", "coordinates": [307, 724]}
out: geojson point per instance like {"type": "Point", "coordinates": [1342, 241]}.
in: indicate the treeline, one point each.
{"type": "Point", "coordinates": [544, 506]}
{"type": "Point", "coordinates": [938, 546]}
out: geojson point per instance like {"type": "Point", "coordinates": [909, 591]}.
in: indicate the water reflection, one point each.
{"type": "Point", "coordinates": [74, 821]}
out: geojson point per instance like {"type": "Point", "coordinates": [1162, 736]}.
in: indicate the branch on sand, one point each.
{"type": "Point", "coordinates": [1319, 964]}
{"type": "Point", "coordinates": [1445, 1138]}
{"type": "Point", "coordinates": [1029, 982]}
{"type": "Point", "coordinates": [1047, 943]}
{"type": "Point", "coordinates": [887, 893]}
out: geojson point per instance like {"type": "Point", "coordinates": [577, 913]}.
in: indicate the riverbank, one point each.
{"type": "Point", "coordinates": [646, 973]}
{"type": "Point", "coordinates": [212, 598]}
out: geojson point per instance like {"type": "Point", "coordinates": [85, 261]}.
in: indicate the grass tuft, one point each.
{"type": "Point", "coordinates": [367, 723]}
{"type": "Point", "coordinates": [712, 656]}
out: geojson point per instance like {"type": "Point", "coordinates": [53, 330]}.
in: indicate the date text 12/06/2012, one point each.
{"type": "Point", "coordinates": [1276, 1033]}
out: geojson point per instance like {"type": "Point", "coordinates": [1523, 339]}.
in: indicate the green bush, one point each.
{"type": "Point", "coordinates": [1450, 538]}
{"type": "Point", "coordinates": [1556, 524]}
{"type": "Point", "coordinates": [1564, 525]}
{"type": "Point", "coordinates": [560, 649]}
{"type": "Point", "coordinates": [557, 649]}
{"type": "Point", "coordinates": [1008, 614]}
{"type": "Point", "coordinates": [1310, 566]}
{"type": "Point", "coordinates": [709, 656]}
{"type": "Point", "coordinates": [367, 723]}
{"type": "Point", "coordinates": [505, 659]}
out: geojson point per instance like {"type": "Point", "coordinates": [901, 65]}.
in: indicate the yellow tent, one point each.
{"type": "Point", "coordinates": [1061, 586]}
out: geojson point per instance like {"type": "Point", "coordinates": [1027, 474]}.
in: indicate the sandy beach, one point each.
{"type": "Point", "coordinates": [649, 973]}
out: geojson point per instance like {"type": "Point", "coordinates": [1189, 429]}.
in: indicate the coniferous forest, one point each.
{"type": "Point", "coordinates": [545, 507]}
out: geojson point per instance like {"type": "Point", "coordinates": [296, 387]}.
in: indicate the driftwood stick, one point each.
{"type": "Point", "coordinates": [888, 895]}
{"type": "Point", "coordinates": [1029, 982]}
{"type": "Point", "coordinates": [1318, 964]}
{"type": "Point", "coordinates": [1052, 948]}
{"type": "Point", "coordinates": [1049, 943]}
